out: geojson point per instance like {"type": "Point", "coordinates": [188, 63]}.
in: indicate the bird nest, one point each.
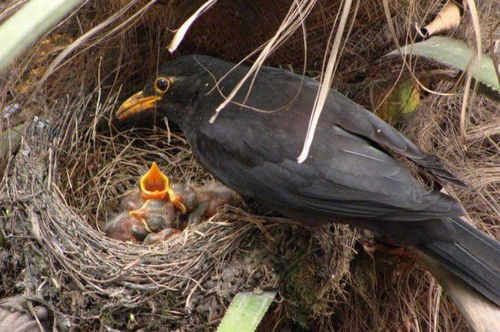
{"type": "Point", "coordinates": [73, 166]}
{"type": "Point", "coordinates": [66, 181]}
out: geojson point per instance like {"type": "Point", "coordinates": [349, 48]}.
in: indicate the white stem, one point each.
{"type": "Point", "coordinates": [326, 84]}
{"type": "Point", "coordinates": [181, 32]}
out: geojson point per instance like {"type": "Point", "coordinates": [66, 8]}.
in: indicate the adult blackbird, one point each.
{"type": "Point", "coordinates": [349, 176]}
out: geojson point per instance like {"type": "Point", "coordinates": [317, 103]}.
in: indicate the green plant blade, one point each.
{"type": "Point", "coordinates": [29, 23]}
{"type": "Point", "coordinates": [246, 311]}
{"type": "Point", "coordinates": [456, 54]}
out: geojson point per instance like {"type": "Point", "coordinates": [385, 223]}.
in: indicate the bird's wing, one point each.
{"type": "Point", "coordinates": [357, 120]}
{"type": "Point", "coordinates": [354, 118]}
{"type": "Point", "coordinates": [344, 176]}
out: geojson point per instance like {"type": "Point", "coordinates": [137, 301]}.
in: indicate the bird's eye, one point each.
{"type": "Point", "coordinates": [162, 84]}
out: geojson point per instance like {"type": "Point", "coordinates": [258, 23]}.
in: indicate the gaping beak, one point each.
{"type": "Point", "coordinates": [136, 104]}
{"type": "Point", "coordinates": [154, 184]}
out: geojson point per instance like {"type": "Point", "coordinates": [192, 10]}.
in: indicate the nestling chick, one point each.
{"type": "Point", "coordinates": [217, 195]}
{"type": "Point", "coordinates": [156, 185]}
{"type": "Point", "coordinates": [151, 213]}
{"type": "Point", "coordinates": [131, 200]}
{"type": "Point", "coordinates": [203, 201]}
{"type": "Point", "coordinates": [163, 235]}
{"type": "Point", "coordinates": [124, 227]}
{"type": "Point", "coordinates": [156, 214]}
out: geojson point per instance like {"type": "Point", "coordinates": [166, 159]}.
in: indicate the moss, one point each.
{"type": "Point", "coordinates": [107, 318]}
{"type": "Point", "coordinates": [301, 288]}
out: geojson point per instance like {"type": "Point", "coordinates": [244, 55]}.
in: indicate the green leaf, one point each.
{"type": "Point", "coordinates": [456, 54]}
{"type": "Point", "coordinates": [402, 101]}
{"type": "Point", "coordinates": [29, 23]}
{"type": "Point", "coordinates": [246, 311]}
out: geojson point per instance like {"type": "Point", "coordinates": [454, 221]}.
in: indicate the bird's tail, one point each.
{"type": "Point", "coordinates": [474, 257]}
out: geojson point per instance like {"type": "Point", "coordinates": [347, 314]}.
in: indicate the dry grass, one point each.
{"type": "Point", "coordinates": [73, 166]}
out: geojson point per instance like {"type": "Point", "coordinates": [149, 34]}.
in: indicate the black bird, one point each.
{"type": "Point", "coordinates": [349, 176]}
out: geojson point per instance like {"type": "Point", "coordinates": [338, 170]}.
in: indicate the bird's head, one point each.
{"type": "Point", "coordinates": [172, 91]}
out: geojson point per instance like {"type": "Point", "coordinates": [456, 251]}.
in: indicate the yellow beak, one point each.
{"type": "Point", "coordinates": [139, 214]}
{"type": "Point", "coordinates": [136, 104]}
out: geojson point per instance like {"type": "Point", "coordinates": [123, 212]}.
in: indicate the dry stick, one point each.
{"type": "Point", "coordinates": [86, 36]}
{"type": "Point", "coordinates": [392, 30]}
{"type": "Point", "coordinates": [11, 9]}
{"type": "Point", "coordinates": [10, 141]}
{"type": "Point", "coordinates": [472, 68]}
{"type": "Point", "coordinates": [288, 26]}
{"type": "Point", "coordinates": [304, 36]}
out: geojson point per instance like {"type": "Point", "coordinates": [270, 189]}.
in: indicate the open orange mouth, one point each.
{"type": "Point", "coordinates": [156, 185]}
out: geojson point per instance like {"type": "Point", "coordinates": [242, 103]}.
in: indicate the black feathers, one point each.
{"type": "Point", "coordinates": [253, 147]}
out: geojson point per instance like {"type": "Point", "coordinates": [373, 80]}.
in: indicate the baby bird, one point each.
{"type": "Point", "coordinates": [203, 201]}
{"type": "Point", "coordinates": [161, 236]}
{"type": "Point", "coordinates": [217, 195]}
{"type": "Point", "coordinates": [151, 213]}
{"type": "Point", "coordinates": [156, 185]}
{"type": "Point", "coordinates": [124, 227]}
{"type": "Point", "coordinates": [156, 214]}
{"type": "Point", "coordinates": [131, 200]}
